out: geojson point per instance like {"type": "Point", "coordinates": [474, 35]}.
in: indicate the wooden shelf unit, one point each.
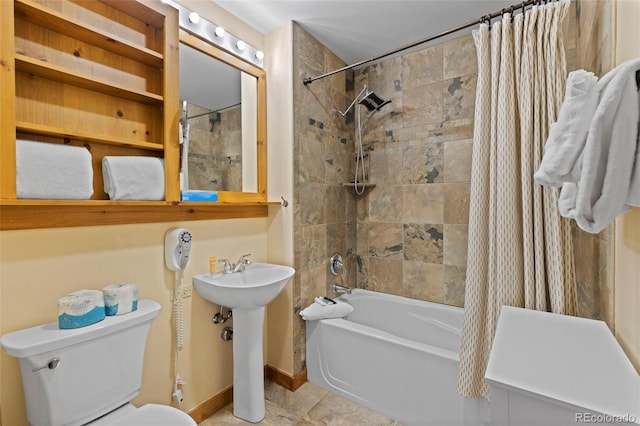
{"type": "Point", "coordinates": [104, 75]}
{"type": "Point", "coordinates": [55, 132]}
{"type": "Point", "coordinates": [101, 74]}
{"type": "Point", "coordinates": [34, 214]}
{"type": "Point", "coordinates": [31, 11]}
{"type": "Point", "coordinates": [53, 72]}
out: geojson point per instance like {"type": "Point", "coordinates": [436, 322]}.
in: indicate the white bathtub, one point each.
{"type": "Point", "coordinates": [396, 355]}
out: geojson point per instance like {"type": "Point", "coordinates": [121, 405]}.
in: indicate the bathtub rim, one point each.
{"type": "Point", "coordinates": [385, 336]}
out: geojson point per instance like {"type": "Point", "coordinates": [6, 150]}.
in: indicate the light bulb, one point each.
{"type": "Point", "coordinates": [260, 55]}
{"type": "Point", "coordinates": [220, 32]}
{"type": "Point", "coordinates": [241, 45]}
{"type": "Point", "coordinates": [194, 18]}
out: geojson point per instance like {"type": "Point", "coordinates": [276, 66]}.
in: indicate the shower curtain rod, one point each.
{"type": "Point", "coordinates": [484, 18]}
{"type": "Point", "coordinates": [214, 111]}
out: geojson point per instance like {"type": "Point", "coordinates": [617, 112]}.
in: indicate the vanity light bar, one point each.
{"type": "Point", "coordinates": [207, 30]}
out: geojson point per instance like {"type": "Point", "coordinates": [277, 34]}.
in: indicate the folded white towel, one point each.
{"type": "Point", "coordinates": [568, 135]}
{"type": "Point", "coordinates": [317, 311]}
{"type": "Point", "coordinates": [53, 171]}
{"type": "Point", "coordinates": [606, 186]}
{"type": "Point", "coordinates": [133, 178]}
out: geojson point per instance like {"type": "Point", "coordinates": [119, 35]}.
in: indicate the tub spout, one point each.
{"type": "Point", "coordinates": [338, 289]}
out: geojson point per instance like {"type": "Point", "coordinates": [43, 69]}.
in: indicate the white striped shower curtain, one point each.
{"type": "Point", "coordinates": [520, 249]}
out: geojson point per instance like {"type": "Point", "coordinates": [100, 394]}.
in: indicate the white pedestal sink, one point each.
{"type": "Point", "coordinates": [247, 293]}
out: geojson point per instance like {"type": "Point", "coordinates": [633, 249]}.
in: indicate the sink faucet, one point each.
{"type": "Point", "coordinates": [243, 262]}
{"type": "Point", "coordinates": [230, 268]}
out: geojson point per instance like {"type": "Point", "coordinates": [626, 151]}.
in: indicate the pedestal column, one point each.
{"type": "Point", "coordinates": [248, 365]}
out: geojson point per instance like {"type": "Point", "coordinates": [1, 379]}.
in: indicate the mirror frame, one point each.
{"type": "Point", "coordinates": [261, 132]}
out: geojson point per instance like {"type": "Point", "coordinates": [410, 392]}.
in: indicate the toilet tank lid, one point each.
{"type": "Point", "coordinates": [47, 337]}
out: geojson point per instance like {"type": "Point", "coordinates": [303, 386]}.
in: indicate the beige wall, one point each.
{"type": "Point", "coordinates": [627, 227]}
{"type": "Point", "coordinates": [278, 60]}
{"type": "Point", "coordinates": [39, 266]}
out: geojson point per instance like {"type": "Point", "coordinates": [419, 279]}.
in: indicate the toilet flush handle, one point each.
{"type": "Point", "coordinates": [53, 363]}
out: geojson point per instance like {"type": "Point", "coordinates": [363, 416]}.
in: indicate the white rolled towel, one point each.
{"type": "Point", "coordinates": [53, 171]}
{"type": "Point", "coordinates": [120, 298]}
{"type": "Point", "coordinates": [317, 311]}
{"type": "Point", "coordinates": [562, 159]}
{"type": "Point", "coordinates": [133, 177]}
{"type": "Point", "coordinates": [80, 308]}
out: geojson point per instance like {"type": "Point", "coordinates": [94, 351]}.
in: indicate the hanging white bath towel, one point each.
{"type": "Point", "coordinates": [563, 150]}
{"type": "Point", "coordinates": [608, 184]}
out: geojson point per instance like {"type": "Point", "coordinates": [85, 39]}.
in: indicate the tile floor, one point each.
{"type": "Point", "coordinates": [309, 405]}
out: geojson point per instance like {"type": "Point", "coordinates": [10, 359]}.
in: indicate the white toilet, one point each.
{"type": "Point", "coordinates": [88, 375]}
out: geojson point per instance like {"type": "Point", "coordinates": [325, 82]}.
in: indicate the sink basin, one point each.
{"type": "Point", "coordinates": [247, 293]}
{"type": "Point", "coordinates": [256, 286]}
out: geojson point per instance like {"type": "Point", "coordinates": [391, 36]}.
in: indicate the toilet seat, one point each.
{"type": "Point", "coordinates": [147, 415]}
{"type": "Point", "coordinates": [155, 415]}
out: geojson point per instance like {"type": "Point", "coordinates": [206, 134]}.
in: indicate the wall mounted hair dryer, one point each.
{"type": "Point", "coordinates": [177, 247]}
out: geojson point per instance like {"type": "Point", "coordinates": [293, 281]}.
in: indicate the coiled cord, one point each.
{"type": "Point", "coordinates": [178, 311]}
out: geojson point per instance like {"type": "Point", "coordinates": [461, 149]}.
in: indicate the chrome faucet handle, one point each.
{"type": "Point", "coordinates": [228, 266]}
{"type": "Point", "coordinates": [242, 263]}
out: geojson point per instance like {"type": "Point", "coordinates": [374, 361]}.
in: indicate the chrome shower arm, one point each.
{"type": "Point", "coordinates": [363, 91]}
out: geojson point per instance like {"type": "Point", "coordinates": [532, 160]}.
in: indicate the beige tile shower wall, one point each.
{"type": "Point", "coordinates": [589, 45]}
{"type": "Point", "coordinates": [410, 231]}
{"type": "Point", "coordinates": [215, 149]}
{"type": "Point", "coordinates": [324, 212]}
{"type": "Point", "coordinates": [412, 227]}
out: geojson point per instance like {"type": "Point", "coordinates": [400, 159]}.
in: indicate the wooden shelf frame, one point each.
{"type": "Point", "coordinates": [35, 214]}
{"type": "Point", "coordinates": [50, 131]}
{"type": "Point", "coordinates": [60, 74]}
{"type": "Point", "coordinates": [32, 214]}
{"type": "Point", "coordinates": [47, 18]}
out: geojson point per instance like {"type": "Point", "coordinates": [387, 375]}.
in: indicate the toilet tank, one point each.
{"type": "Point", "coordinates": [100, 366]}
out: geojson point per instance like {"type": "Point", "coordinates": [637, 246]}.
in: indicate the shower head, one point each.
{"type": "Point", "coordinates": [373, 102]}
{"type": "Point", "coordinates": [367, 98]}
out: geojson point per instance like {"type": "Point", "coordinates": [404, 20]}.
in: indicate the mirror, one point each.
{"type": "Point", "coordinates": [221, 115]}
{"type": "Point", "coordinates": [225, 112]}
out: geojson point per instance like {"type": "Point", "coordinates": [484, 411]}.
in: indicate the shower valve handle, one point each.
{"type": "Point", "coordinates": [336, 264]}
